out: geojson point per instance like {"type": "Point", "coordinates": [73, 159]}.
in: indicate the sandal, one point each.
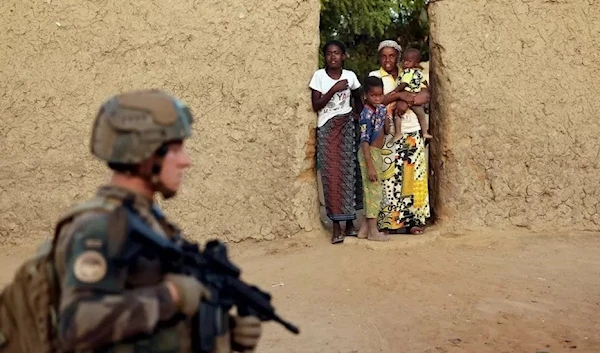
{"type": "Point", "coordinates": [415, 230]}
{"type": "Point", "coordinates": [339, 239]}
{"type": "Point", "coordinates": [353, 233]}
{"type": "Point", "coordinates": [338, 235]}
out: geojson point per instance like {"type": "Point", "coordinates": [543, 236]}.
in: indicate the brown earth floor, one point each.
{"type": "Point", "coordinates": [504, 292]}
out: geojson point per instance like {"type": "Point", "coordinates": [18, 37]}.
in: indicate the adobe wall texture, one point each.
{"type": "Point", "coordinates": [517, 113]}
{"type": "Point", "coordinates": [243, 67]}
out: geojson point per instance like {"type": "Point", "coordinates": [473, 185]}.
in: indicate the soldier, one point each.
{"type": "Point", "coordinates": [111, 306]}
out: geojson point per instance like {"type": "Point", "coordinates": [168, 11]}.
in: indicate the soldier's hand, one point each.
{"type": "Point", "coordinates": [245, 333]}
{"type": "Point", "coordinates": [189, 292]}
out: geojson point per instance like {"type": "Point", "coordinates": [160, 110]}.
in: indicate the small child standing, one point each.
{"type": "Point", "coordinates": [373, 127]}
{"type": "Point", "coordinates": [411, 80]}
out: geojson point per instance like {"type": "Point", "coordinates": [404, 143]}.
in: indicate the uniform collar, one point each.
{"type": "Point", "coordinates": [121, 194]}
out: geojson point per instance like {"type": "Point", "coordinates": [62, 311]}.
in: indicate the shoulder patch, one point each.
{"type": "Point", "coordinates": [90, 267]}
{"type": "Point", "coordinates": [89, 262]}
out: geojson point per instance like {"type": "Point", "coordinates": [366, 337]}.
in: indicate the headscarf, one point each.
{"type": "Point", "coordinates": [390, 44]}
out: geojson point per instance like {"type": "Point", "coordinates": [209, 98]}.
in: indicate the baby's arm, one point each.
{"type": "Point", "coordinates": [401, 86]}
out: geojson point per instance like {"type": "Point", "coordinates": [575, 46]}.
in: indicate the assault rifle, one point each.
{"type": "Point", "coordinates": [211, 267]}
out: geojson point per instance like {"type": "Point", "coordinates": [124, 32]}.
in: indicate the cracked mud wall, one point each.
{"type": "Point", "coordinates": [242, 66]}
{"type": "Point", "coordinates": [517, 113]}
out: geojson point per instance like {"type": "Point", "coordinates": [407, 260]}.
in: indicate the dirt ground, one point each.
{"type": "Point", "coordinates": [504, 292]}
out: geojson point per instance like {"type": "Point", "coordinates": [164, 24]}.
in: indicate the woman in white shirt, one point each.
{"type": "Point", "coordinates": [332, 90]}
{"type": "Point", "coordinates": [405, 204]}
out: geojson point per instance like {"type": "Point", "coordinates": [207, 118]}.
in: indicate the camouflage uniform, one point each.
{"type": "Point", "coordinates": [108, 305]}
{"type": "Point", "coordinates": [103, 302]}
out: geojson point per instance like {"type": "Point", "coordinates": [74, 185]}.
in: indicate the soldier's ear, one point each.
{"type": "Point", "coordinates": [145, 169]}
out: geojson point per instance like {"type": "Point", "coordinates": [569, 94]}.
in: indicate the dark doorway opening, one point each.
{"type": "Point", "coordinates": [361, 25]}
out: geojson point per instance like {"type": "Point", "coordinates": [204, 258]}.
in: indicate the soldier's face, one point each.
{"type": "Point", "coordinates": [174, 165]}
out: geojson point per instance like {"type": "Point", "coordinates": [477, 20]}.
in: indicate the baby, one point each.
{"type": "Point", "coordinates": [411, 80]}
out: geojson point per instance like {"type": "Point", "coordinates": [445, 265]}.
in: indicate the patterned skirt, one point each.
{"type": "Point", "coordinates": [405, 191]}
{"type": "Point", "coordinates": [340, 172]}
{"type": "Point", "coordinates": [371, 189]}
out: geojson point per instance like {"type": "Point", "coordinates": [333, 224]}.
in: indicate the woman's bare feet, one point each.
{"type": "Point", "coordinates": [368, 230]}
{"type": "Point", "coordinates": [378, 237]}
{"type": "Point", "coordinates": [363, 232]}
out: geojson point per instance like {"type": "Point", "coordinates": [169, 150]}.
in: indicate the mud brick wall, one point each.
{"type": "Point", "coordinates": [242, 66]}
{"type": "Point", "coordinates": [517, 113]}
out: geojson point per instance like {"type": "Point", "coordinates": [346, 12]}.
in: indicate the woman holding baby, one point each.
{"type": "Point", "coordinates": [405, 204]}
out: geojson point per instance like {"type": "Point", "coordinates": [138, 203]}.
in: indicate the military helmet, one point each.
{"type": "Point", "coordinates": [130, 127]}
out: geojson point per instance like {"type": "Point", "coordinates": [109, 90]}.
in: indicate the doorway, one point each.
{"type": "Point", "coordinates": [361, 25]}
